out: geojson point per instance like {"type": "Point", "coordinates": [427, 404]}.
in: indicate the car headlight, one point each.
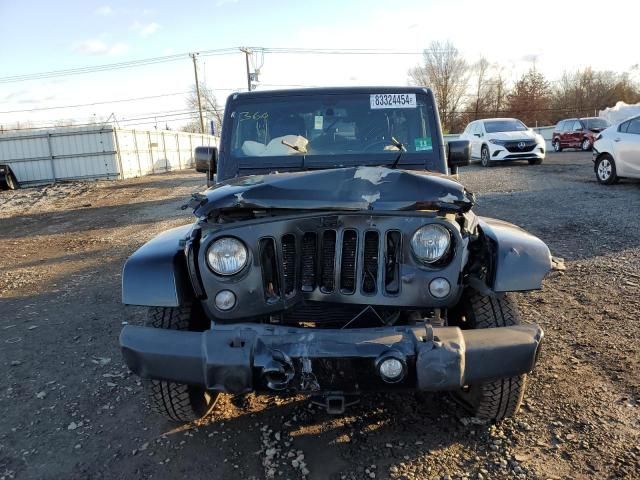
{"type": "Point", "coordinates": [497, 142]}
{"type": "Point", "coordinates": [430, 243]}
{"type": "Point", "coordinates": [227, 256]}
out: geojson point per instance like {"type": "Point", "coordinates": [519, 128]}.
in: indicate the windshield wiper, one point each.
{"type": "Point", "coordinates": [295, 147]}
{"type": "Point", "coordinates": [400, 147]}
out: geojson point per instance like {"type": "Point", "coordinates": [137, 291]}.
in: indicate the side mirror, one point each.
{"type": "Point", "coordinates": [458, 154]}
{"type": "Point", "coordinates": [206, 160]}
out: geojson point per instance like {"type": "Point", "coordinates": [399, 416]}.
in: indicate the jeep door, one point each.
{"type": "Point", "coordinates": [626, 144]}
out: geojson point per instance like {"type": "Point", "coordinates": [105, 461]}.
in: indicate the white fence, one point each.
{"type": "Point", "coordinates": [71, 153]}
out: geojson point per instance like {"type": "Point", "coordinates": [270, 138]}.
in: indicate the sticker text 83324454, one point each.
{"type": "Point", "coordinates": [393, 100]}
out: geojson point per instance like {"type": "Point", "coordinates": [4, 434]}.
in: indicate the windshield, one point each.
{"type": "Point", "coordinates": [595, 123]}
{"type": "Point", "coordinates": [375, 125]}
{"type": "Point", "coordinates": [508, 125]}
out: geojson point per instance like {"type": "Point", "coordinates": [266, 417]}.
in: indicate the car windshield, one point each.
{"type": "Point", "coordinates": [378, 125]}
{"type": "Point", "coordinates": [596, 123]}
{"type": "Point", "coordinates": [508, 125]}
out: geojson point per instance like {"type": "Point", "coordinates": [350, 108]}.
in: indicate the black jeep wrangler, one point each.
{"type": "Point", "coordinates": [334, 255]}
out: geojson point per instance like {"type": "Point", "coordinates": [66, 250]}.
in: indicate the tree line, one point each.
{"type": "Point", "coordinates": [468, 91]}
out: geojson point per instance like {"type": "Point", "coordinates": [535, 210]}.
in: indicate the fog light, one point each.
{"type": "Point", "coordinates": [439, 287]}
{"type": "Point", "coordinates": [225, 300]}
{"type": "Point", "coordinates": [391, 369]}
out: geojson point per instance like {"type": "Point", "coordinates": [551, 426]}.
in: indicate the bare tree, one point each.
{"type": "Point", "coordinates": [496, 92]}
{"type": "Point", "coordinates": [445, 71]}
{"type": "Point", "coordinates": [210, 108]}
{"type": "Point", "coordinates": [584, 92]}
{"type": "Point", "coordinates": [481, 71]}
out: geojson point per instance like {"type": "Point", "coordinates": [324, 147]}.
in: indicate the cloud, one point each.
{"type": "Point", "coordinates": [15, 94]}
{"type": "Point", "coordinates": [144, 30]}
{"type": "Point", "coordinates": [149, 29]}
{"type": "Point", "coordinates": [118, 48]}
{"type": "Point", "coordinates": [98, 47]}
{"type": "Point", "coordinates": [104, 11]}
{"type": "Point", "coordinates": [31, 101]}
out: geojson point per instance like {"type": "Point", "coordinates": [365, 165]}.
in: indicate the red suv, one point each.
{"type": "Point", "coordinates": [577, 133]}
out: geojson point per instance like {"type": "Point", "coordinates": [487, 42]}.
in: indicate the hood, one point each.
{"type": "Point", "coordinates": [347, 189]}
{"type": "Point", "coordinates": [523, 135]}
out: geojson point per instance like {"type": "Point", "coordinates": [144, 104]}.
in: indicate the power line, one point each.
{"type": "Point", "coordinates": [204, 53]}
{"type": "Point", "coordinates": [344, 51]}
{"type": "Point", "coordinates": [149, 97]}
{"type": "Point", "coordinates": [111, 66]}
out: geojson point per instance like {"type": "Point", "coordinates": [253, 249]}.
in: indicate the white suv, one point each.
{"type": "Point", "coordinates": [498, 139]}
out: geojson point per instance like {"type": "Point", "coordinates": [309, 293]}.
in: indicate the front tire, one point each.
{"type": "Point", "coordinates": [501, 398]}
{"type": "Point", "coordinates": [485, 159]}
{"type": "Point", "coordinates": [175, 401]}
{"type": "Point", "coordinates": [556, 146]}
{"type": "Point", "coordinates": [585, 146]}
{"type": "Point", "coordinates": [606, 170]}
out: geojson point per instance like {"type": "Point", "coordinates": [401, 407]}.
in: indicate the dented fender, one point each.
{"type": "Point", "coordinates": [520, 260]}
{"type": "Point", "coordinates": [156, 274]}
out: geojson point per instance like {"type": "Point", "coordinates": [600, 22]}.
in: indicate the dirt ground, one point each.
{"type": "Point", "coordinates": [70, 409]}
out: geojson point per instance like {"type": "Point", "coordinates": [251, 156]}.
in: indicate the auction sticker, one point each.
{"type": "Point", "coordinates": [423, 144]}
{"type": "Point", "coordinates": [393, 100]}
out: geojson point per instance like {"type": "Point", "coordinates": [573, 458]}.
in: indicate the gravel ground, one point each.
{"type": "Point", "coordinates": [71, 409]}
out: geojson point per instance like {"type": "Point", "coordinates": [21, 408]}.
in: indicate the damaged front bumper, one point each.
{"type": "Point", "coordinates": [254, 357]}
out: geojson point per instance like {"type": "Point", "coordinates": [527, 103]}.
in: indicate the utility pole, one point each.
{"type": "Point", "coordinates": [247, 52]}
{"type": "Point", "coordinates": [195, 71]}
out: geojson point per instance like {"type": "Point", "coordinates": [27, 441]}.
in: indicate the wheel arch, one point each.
{"type": "Point", "coordinates": [519, 260]}
{"type": "Point", "coordinates": [600, 155]}
{"type": "Point", "coordinates": [156, 275]}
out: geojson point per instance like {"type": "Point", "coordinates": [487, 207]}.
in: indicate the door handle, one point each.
{"type": "Point", "coordinates": [616, 139]}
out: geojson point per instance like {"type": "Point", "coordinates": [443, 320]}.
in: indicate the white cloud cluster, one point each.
{"type": "Point", "coordinates": [94, 46]}
{"type": "Point", "coordinates": [145, 29]}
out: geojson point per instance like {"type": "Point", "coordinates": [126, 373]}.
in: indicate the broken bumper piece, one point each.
{"type": "Point", "coordinates": [251, 357]}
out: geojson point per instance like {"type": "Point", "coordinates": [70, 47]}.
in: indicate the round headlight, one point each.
{"type": "Point", "coordinates": [227, 256]}
{"type": "Point", "coordinates": [430, 243]}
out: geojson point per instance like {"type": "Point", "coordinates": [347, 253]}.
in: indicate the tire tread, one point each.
{"type": "Point", "coordinates": [169, 399]}
{"type": "Point", "coordinates": [501, 398]}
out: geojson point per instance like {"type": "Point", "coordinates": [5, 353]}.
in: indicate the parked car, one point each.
{"type": "Point", "coordinates": [577, 133]}
{"type": "Point", "coordinates": [335, 256]}
{"type": "Point", "coordinates": [499, 139]}
{"type": "Point", "coordinates": [616, 152]}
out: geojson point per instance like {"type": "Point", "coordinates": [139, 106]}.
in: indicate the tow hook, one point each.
{"type": "Point", "coordinates": [335, 403]}
{"type": "Point", "coordinates": [279, 371]}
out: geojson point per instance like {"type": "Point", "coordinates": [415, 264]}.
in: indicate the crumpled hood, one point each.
{"type": "Point", "coordinates": [350, 189]}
